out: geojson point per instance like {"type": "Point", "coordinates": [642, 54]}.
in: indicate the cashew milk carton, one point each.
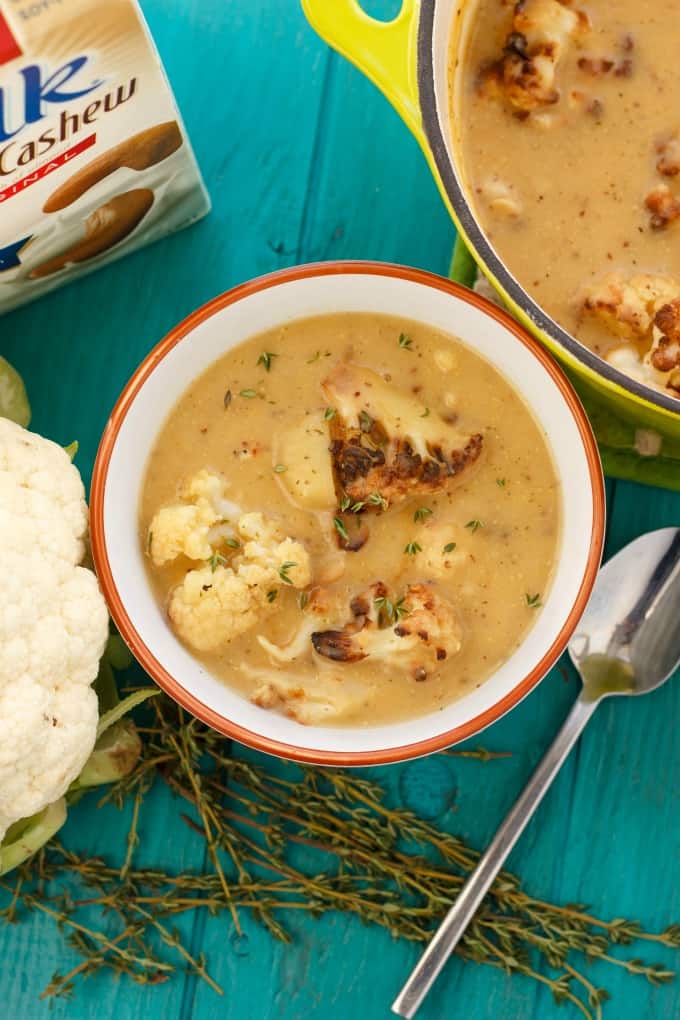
{"type": "Point", "coordinates": [94, 158]}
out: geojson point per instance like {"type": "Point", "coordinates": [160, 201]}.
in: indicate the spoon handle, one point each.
{"type": "Point", "coordinates": [480, 881]}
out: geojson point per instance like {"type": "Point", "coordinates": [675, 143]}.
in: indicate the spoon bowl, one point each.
{"type": "Point", "coordinates": [628, 640]}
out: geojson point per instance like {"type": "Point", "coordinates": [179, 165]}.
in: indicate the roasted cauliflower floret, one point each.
{"type": "Point", "coordinates": [444, 550]}
{"type": "Point", "coordinates": [668, 163]}
{"type": "Point", "coordinates": [413, 634]}
{"type": "Point", "coordinates": [526, 74]}
{"type": "Point", "coordinates": [385, 445]}
{"type": "Point", "coordinates": [645, 311]}
{"type": "Point", "coordinates": [627, 307]}
{"type": "Point", "coordinates": [665, 352]}
{"type": "Point", "coordinates": [663, 207]}
{"type": "Point", "coordinates": [325, 698]}
{"type": "Point", "coordinates": [191, 527]}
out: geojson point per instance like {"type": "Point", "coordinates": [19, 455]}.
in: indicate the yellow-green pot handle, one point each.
{"type": "Point", "coordinates": [386, 52]}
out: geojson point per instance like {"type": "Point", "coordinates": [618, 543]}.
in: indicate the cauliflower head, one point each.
{"type": "Point", "coordinates": [244, 559]}
{"type": "Point", "coordinates": [53, 626]}
{"type": "Point", "coordinates": [385, 445]}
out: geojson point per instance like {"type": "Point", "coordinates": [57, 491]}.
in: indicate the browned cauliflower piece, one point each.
{"type": "Point", "coordinates": [665, 353]}
{"type": "Point", "coordinates": [668, 163]}
{"type": "Point", "coordinates": [413, 633]}
{"type": "Point", "coordinates": [321, 700]}
{"type": "Point", "coordinates": [645, 311]}
{"type": "Point", "coordinates": [627, 306]}
{"type": "Point", "coordinates": [663, 207]}
{"type": "Point", "coordinates": [385, 445]}
{"type": "Point", "coordinates": [621, 67]}
{"type": "Point", "coordinates": [526, 75]}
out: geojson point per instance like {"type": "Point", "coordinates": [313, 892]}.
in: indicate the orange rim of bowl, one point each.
{"type": "Point", "coordinates": [226, 726]}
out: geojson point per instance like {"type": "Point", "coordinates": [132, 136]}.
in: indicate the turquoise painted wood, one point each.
{"type": "Point", "coordinates": [305, 161]}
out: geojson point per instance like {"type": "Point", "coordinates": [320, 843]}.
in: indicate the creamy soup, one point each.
{"type": "Point", "coordinates": [565, 114]}
{"type": "Point", "coordinates": [352, 519]}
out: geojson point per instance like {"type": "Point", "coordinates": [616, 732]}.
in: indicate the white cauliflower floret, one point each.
{"type": "Point", "coordinates": [232, 589]}
{"type": "Point", "coordinates": [53, 627]}
{"type": "Point", "coordinates": [43, 468]}
{"type": "Point", "coordinates": [190, 527]}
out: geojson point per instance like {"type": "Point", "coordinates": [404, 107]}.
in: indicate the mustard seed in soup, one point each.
{"type": "Point", "coordinates": [565, 113]}
{"type": "Point", "coordinates": [352, 519]}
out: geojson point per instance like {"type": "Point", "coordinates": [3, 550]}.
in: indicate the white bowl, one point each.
{"type": "Point", "coordinates": [272, 301]}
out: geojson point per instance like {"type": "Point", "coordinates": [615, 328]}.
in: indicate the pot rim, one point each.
{"type": "Point", "coordinates": [481, 246]}
{"type": "Point", "coordinates": [182, 694]}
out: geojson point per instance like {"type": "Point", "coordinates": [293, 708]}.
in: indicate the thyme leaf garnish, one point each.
{"type": "Point", "coordinates": [421, 514]}
{"type": "Point", "coordinates": [265, 359]}
{"type": "Point", "coordinates": [284, 569]}
{"type": "Point", "coordinates": [341, 529]}
{"type": "Point", "coordinates": [391, 611]}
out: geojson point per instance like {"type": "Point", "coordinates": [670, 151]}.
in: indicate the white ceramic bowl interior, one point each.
{"type": "Point", "coordinates": [273, 306]}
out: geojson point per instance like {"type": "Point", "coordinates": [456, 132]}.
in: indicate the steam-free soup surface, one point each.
{"type": "Point", "coordinates": [568, 130]}
{"type": "Point", "coordinates": [482, 546]}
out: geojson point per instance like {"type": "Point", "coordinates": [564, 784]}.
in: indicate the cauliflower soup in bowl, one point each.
{"type": "Point", "coordinates": [347, 513]}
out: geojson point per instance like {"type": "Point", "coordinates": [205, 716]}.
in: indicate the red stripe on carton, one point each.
{"type": "Point", "coordinates": [47, 168]}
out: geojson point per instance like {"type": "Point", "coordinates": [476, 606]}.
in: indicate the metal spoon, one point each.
{"type": "Point", "coordinates": [628, 642]}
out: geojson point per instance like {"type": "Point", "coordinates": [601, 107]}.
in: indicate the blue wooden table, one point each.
{"type": "Point", "coordinates": [306, 161]}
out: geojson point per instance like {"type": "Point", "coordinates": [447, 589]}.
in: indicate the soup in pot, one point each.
{"type": "Point", "coordinates": [566, 120]}
{"type": "Point", "coordinates": [352, 519]}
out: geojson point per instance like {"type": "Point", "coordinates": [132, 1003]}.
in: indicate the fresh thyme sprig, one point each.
{"type": "Point", "coordinates": [355, 852]}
